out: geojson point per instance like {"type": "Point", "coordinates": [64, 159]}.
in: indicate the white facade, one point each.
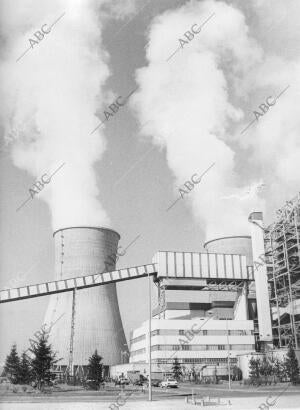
{"type": "Point", "coordinates": [196, 341]}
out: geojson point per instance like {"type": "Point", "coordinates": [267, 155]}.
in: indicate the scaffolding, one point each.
{"type": "Point", "coordinates": [282, 259]}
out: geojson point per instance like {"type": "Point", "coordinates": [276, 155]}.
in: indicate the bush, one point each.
{"type": "Point", "coordinates": [291, 365]}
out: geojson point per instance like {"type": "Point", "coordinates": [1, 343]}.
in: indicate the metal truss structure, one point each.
{"type": "Point", "coordinates": [282, 258]}
{"type": "Point", "coordinates": [225, 285]}
{"type": "Point", "coordinates": [161, 288]}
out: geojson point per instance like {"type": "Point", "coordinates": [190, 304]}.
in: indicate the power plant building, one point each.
{"type": "Point", "coordinates": [241, 295]}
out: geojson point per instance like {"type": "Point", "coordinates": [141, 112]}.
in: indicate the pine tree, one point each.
{"type": "Point", "coordinates": [291, 365]}
{"type": "Point", "coordinates": [95, 369]}
{"type": "Point", "coordinates": [237, 373]}
{"type": "Point", "coordinates": [24, 370]}
{"type": "Point", "coordinates": [12, 363]}
{"type": "Point", "coordinates": [43, 359]}
{"type": "Point", "coordinates": [176, 369]}
{"type": "Point", "coordinates": [193, 373]}
{"type": "Point", "coordinates": [265, 369]}
{"type": "Point", "coordinates": [254, 366]}
{"type": "Point", "coordinates": [279, 369]}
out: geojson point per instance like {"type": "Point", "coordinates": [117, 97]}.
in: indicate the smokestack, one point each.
{"type": "Point", "coordinates": [260, 277]}
{"type": "Point", "coordinates": [81, 251]}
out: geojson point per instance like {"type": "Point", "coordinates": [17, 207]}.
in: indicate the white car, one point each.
{"type": "Point", "coordinates": [169, 383]}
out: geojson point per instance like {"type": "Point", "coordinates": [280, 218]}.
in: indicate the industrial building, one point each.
{"type": "Point", "coordinates": [282, 249]}
{"type": "Point", "coordinates": [203, 344]}
{"type": "Point", "coordinates": [215, 308]}
{"type": "Point", "coordinates": [204, 323]}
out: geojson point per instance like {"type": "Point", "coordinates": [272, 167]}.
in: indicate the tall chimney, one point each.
{"type": "Point", "coordinates": [261, 278]}
{"type": "Point", "coordinates": [81, 251]}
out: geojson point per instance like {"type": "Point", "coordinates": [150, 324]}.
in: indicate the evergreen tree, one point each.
{"type": "Point", "coordinates": [24, 370]}
{"type": "Point", "coordinates": [265, 369]}
{"type": "Point", "coordinates": [12, 363]}
{"type": "Point", "coordinates": [254, 367]}
{"type": "Point", "coordinates": [43, 358]}
{"type": "Point", "coordinates": [291, 365]}
{"type": "Point", "coordinates": [95, 369]}
{"type": "Point", "coordinates": [176, 369]}
{"type": "Point", "coordinates": [193, 373]}
{"type": "Point", "coordinates": [279, 369]}
{"type": "Point", "coordinates": [236, 373]}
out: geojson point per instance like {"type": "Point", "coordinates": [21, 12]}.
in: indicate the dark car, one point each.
{"type": "Point", "coordinates": [138, 383]}
{"type": "Point", "coordinates": [154, 382]}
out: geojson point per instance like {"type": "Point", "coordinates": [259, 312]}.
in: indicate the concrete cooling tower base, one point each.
{"type": "Point", "coordinates": [81, 251]}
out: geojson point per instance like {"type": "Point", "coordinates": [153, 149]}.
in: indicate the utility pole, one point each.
{"type": "Point", "coordinates": [149, 341]}
{"type": "Point", "coordinates": [71, 364]}
{"type": "Point", "coordinates": [228, 356]}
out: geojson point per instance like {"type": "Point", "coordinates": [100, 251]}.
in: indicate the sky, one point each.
{"type": "Point", "coordinates": [194, 97]}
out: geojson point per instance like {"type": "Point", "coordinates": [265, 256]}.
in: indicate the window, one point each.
{"type": "Point", "coordinates": [136, 352]}
{"type": "Point", "coordinates": [138, 339]}
{"type": "Point", "coordinates": [176, 347]}
{"type": "Point", "coordinates": [221, 347]}
{"type": "Point", "coordinates": [186, 347]}
{"type": "Point", "coordinates": [181, 332]}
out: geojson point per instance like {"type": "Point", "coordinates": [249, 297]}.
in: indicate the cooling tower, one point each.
{"type": "Point", "coordinates": [81, 251]}
{"type": "Point", "coordinates": [240, 245]}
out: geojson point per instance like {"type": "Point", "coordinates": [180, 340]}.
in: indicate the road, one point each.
{"type": "Point", "coordinates": [219, 397]}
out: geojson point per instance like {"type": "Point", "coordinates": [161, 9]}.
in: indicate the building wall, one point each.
{"type": "Point", "coordinates": [207, 342]}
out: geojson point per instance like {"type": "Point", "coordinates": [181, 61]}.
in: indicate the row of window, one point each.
{"type": "Point", "coordinates": [138, 339]}
{"type": "Point", "coordinates": [182, 332]}
{"type": "Point", "coordinates": [192, 348]}
{"type": "Point", "coordinates": [201, 347]}
{"type": "Point", "coordinates": [136, 352]}
{"type": "Point", "coordinates": [196, 360]}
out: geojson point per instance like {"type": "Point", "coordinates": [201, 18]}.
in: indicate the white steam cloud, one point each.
{"type": "Point", "coordinates": [199, 101]}
{"type": "Point", "coordinates": [51, 96]}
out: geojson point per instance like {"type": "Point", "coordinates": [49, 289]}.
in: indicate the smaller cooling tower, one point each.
{"type": "Point", "coordinates": [81, 251]}
{"type": "Point", "coordinates": [237, 245]}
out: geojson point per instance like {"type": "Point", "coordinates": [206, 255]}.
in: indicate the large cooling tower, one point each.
{"type": "Point", "coordinates": [81, 251]}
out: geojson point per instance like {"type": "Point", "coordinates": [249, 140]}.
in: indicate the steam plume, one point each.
{"type": "Point", "coordinates": [198, 101]}
{"type": "Point", "coordinates": [52, 94]}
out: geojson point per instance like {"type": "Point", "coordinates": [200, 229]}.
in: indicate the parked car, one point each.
{"type": "Point", "coordinates": [154, 382]}
{"type": "Point", "coordinates": [169, 383]}
{"type": "Point", "coordinates": [123, 380]}
{"type": "Point", "coordinates": [138, 383]}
